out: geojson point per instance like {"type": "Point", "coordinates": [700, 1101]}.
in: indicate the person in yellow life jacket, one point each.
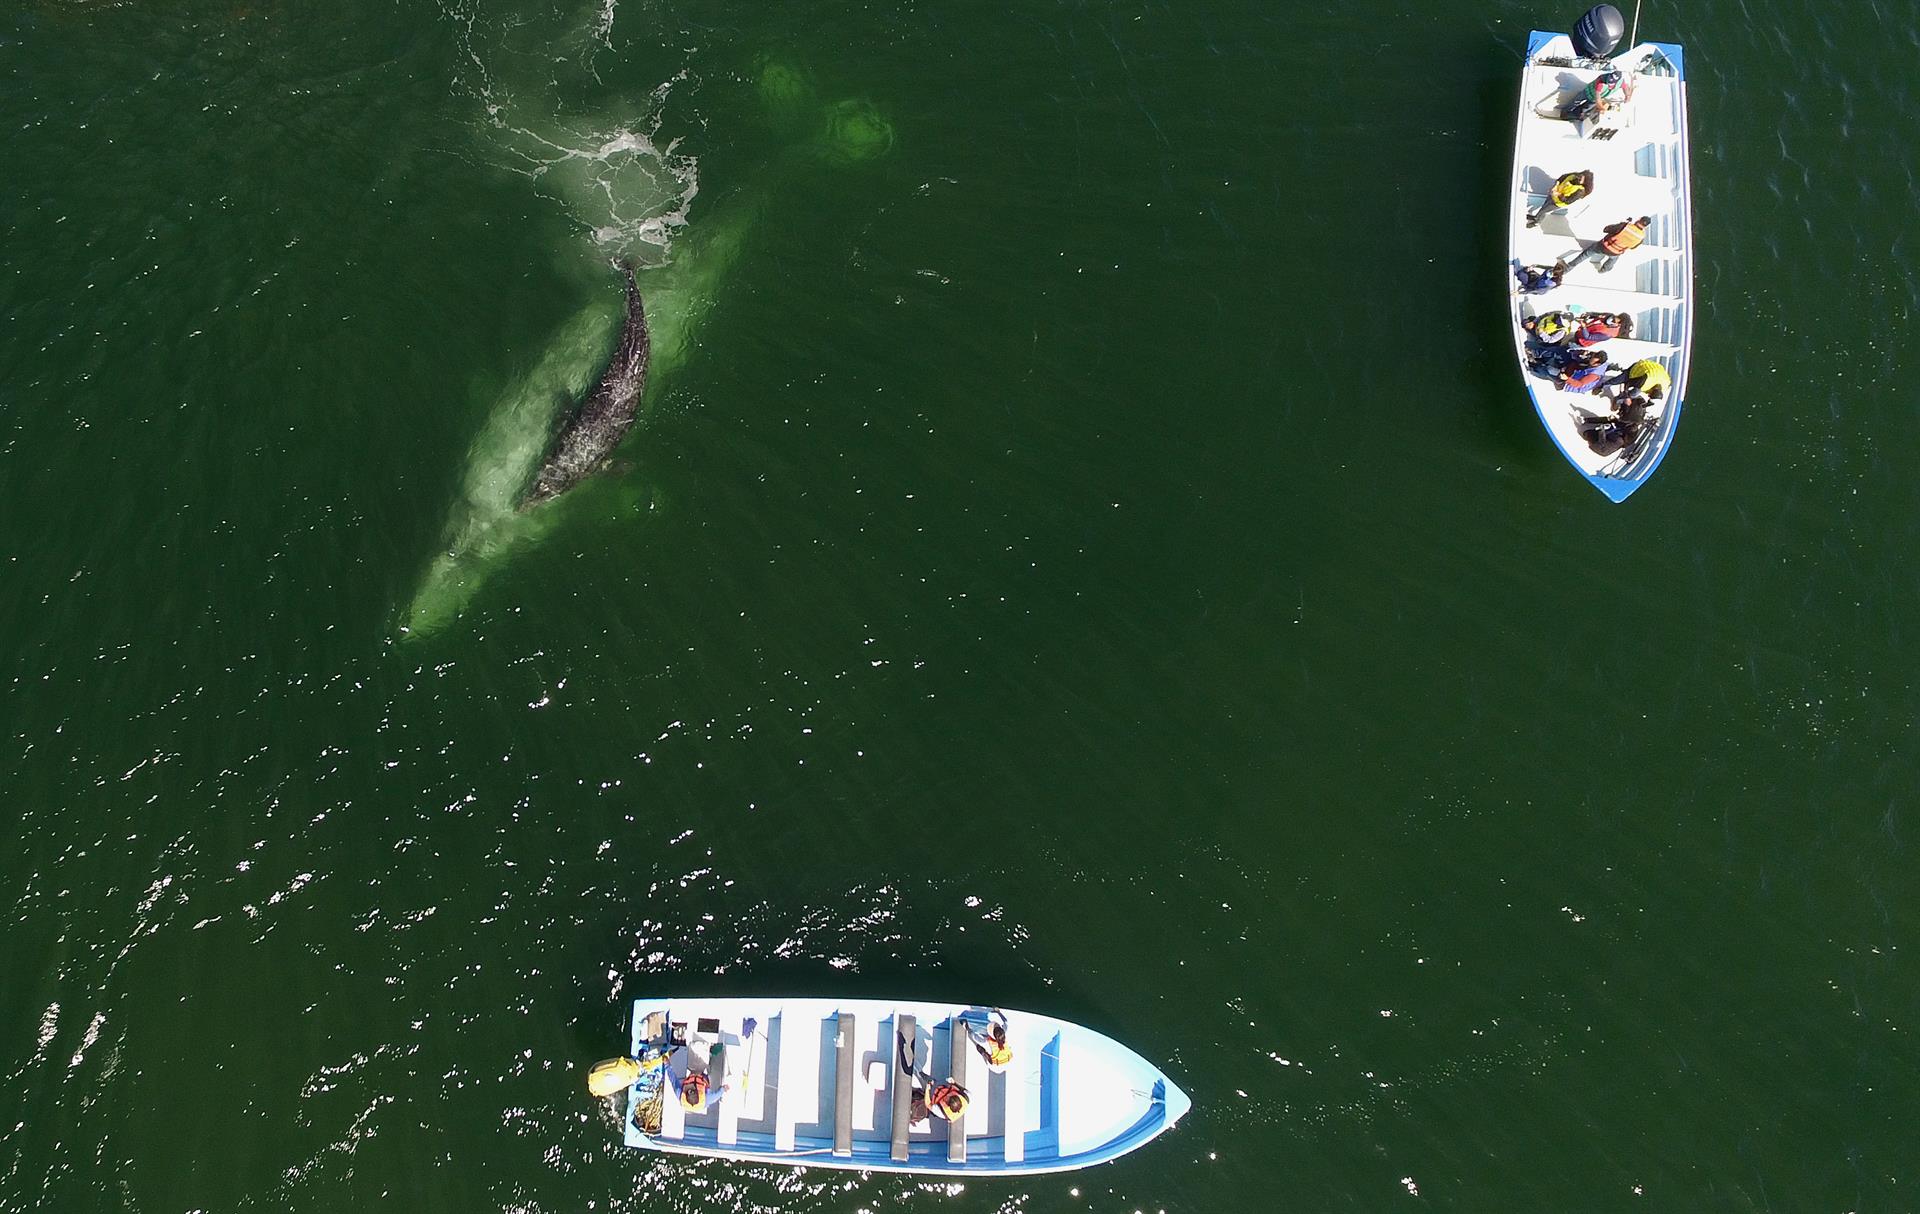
{"type": "Point", "coordinates": [991, 1040]}
{"type": "Point", "coordinates": [1646, 378]}
{"type": "Point", "coordinates": [1569, 189]}
{"type": "Point", "coordinates": [1619, 239]}
{"type": "Point", "coordinates": [948, 1101]}
{"type": "Point", "coordinates": [1549, 328]}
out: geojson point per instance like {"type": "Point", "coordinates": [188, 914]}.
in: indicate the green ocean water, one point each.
{"type": "Point", "coordinates": [1087, 548]}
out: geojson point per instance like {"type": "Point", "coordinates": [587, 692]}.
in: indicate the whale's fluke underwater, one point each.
{"type": "Point", "coordinates": [595, 427]}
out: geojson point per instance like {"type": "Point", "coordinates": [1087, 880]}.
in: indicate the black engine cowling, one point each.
{"type": "Point", "coordinates": [1599, 31]}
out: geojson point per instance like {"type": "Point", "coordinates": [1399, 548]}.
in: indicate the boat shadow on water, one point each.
{"type": "Point", "coordinates": [1509, 425]}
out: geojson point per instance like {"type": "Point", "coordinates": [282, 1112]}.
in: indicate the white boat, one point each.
{"type": "Point", "coordinates": [1639, 157]}
{"type": "Point", "coordinates": [831, 1083]}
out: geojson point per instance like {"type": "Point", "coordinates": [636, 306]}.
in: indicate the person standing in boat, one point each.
{"type": "Point", "coordinates": [1567, 190]}
{"type": "Point", "coordinates": [1616, 242]}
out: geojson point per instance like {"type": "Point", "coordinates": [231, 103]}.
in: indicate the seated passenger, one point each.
{"type": "Point", "coordinates": [1646, 377]}
{"type": "Point", "coordinates": [1604, 326]}
{"type": "Point", "coordinates": [693, 1092]}
{"type": "Point", "coordinates": [1550, 328]}
{"type": "Point", "coordinates": [1582, 371]}
{"type": "Point", "coordinates": [1620, 432]}
{"type": "Point", "coordinates": [1609, 435]}
{"type": "Point", "coordinates": [948, 1101]}
{"type": "Point", "coordinates": [1606, 94]}
{"type": "Point", "coordinates": [1538, 280]}
{"type": "Point", "coordinates": [991, 1040]}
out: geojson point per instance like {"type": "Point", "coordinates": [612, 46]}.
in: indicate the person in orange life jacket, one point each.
{"type": "Point", "coordinates": [696, 1086]}
{"type": "Point", "coordinates": [1607, 93]}
{"type": "Point", "coordinates": [693, 1092]}
{"type": "Point", "coordinates": [1603, 326]}
{"type": "Point", "coordinates": [948, 1101]}
{"type": "Point", "coordinates": [1569, 189]}
{"type": "Point", "coordinates": [1618, 240]}
{"type": "Point", "coordinates": [1582, 371]}
{"type": "Point", "coordinates": [991, 1040]}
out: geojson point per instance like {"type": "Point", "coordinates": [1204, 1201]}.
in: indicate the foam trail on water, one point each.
{"type": "Point", "coordinates": [631, 197]}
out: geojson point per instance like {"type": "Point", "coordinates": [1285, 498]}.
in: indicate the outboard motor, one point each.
{"type": "Point", "coordinates": [1596, 34]}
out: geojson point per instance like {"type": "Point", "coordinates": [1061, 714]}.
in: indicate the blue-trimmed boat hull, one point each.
{"type": "Point", "coordinates": [1082, 1098]}
{"type": "Point", "coordinates": [1619, 483]}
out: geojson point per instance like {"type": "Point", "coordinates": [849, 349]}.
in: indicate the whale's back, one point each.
{"type": "Point", "coordinates": [595, 427]}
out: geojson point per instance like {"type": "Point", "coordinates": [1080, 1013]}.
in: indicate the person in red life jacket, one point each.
{"type": "Point", "coordinates": [1603, 326]}
{"type": "Point", "coordinates": [1618, 239]}
{"type": "Point", "coordinates": [1569, 189]}
{"type": "Point", "coordinates": [1582, 371]}
{"type": "Point", "coordinates": [948, 1101]}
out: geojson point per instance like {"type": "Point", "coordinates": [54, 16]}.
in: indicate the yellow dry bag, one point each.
{"type": "Point", "coordinates": [613, 1076]}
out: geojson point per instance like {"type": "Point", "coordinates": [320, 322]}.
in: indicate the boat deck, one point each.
{"type": "Point", "coordinates": [1639, 159]}
{"type": "Point", "coordinates": [822, 1084]}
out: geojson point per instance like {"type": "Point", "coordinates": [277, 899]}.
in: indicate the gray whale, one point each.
{"type": "Point", "coordinates": [595, 427]}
